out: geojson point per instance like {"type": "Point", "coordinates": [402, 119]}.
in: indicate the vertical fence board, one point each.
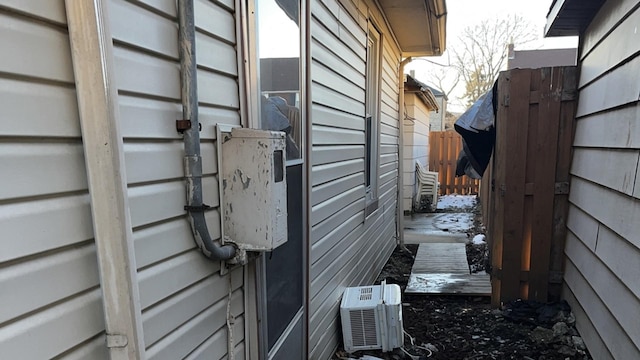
{"type": "Point", "coordinates": [531, 158]}
{"type": "Point", "coordinates": [498, 171]}
{"type": "Point", "coordinates": [444, 161]}
{"type": "Point", "coordinates": [451, 163]}
{"type": "Point", "coordinates": [566, 131]}
{"type": "Point", "coordinates": [525, 211]}
{"type": "Point", "coordinates": [544, 183]}
{"type": "Point", "coordinates": [513, 181]}
{"type": "Point", "coordinates": [486, 198]}
{"type": "Point", "coordinates": [434, 151]}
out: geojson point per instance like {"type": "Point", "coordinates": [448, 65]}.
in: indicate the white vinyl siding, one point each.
{"type": "Point", "coordinates": [416, 145]}
{"type": "Point", "coordinates": [182, 295]}
{"type": "Point", "coordinates": [602, 276]}
{"type": "Point", "coordinates": [48, 270]}
{"type": "Point", "coordinates": [346, 250]}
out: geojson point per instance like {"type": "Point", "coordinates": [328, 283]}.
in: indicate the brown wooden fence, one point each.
{"type": "Point", "coordinates": [525, 194]}
{"type": "Point", "coordinates": [444, 147]}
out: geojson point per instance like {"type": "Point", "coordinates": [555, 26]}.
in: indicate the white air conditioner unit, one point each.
{"type": "Point", "coordinates": [372, 318]}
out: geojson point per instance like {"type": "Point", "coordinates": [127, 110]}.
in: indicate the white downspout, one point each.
{"type": "Point", "coordinates": [92, 54]}
{"type": "Point", "coordinates": [400, 207]}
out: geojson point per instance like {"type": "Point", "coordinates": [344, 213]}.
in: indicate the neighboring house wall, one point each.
{"type": "Point", "coordinates": [347, 249]}
{"type": "Point", "coordinates": [437, 118]}
{"type": "Point", "coordinates": [534, 59]}
{"type": "Point", "coordinates": [51, 300]}
{"type": "Point", "coordinates": [416, 145]}
{"type": "Point", "coordinates": [450, 121]}
{"type": "Point", "coordinates": [602, 276]}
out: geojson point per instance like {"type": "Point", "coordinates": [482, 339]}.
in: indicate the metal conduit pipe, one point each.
{"type": "Point", "coordinates": [192, 159]}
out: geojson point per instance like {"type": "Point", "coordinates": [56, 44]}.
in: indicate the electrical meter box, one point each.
{"type": "Point", "coordinates": [254, 186]}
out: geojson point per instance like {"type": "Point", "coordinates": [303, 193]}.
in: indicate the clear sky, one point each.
{"type": "Point", "coordinates": [279, 35]}
{"type": "Point", "coordinates": [463, 13]}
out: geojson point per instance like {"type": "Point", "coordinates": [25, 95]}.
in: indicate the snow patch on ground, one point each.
{"type": "Point", "coordinates": [478, 239]}
{"type": "Point", "coordinates": [455, 201]}
{"type": "Point", "coordinates": [453, 222]}
{"type": "Point", "coordinates": [431, 283]}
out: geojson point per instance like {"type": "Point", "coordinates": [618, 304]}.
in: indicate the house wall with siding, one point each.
{"type": "Point", "coordinates": [437, 120]}
{"type": "Point", "coordinates": [48, 271]}
{"type": "Point", "coordinates": [48, 267]}
{"type": "Point", "coordinates": [602, 274]}
{"type": "Point", "coordinates": [183, 296]}
{"type": "Point", "coordinates": [347, 249]}
{"type": "Point", "coordinates": [415, 145]}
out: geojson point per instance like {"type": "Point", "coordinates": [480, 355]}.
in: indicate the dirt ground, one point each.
{"type": "Point", "coordinates": [467, 328]}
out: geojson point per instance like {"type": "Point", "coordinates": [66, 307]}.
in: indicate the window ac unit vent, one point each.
{"type": "Point", "coordinates": [366, 293]}
{"type": "Point", "coordinates": [372, 318]}
{"type": "Point", "coordinates": [363, 333]}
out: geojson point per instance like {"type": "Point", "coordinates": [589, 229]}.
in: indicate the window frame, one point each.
{"type": "Point", "coordinates": [372, 117]}
{"type": "Point", "coordinates": [249, 60]}
{"type": "Point", "coordinates": [253, 86]}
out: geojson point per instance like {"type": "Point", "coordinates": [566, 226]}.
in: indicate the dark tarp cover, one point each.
{"type": "Point", "coordinates": [477, 144]}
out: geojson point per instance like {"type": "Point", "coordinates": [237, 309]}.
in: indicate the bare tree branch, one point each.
{"type": "Point", "coordinates": [444, 80]}
{"type": "Point", "coordinates": [481, 52]}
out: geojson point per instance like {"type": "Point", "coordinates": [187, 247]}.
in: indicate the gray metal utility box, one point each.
{"type": "Point", "coordinates": [254, 188]}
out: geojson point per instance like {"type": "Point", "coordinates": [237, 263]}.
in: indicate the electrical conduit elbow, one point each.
{"type": "Point", "coordinates": [192, 161]}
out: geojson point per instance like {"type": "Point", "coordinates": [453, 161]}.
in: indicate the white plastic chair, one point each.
{"type": "Point", "coordinates": [427, 184]}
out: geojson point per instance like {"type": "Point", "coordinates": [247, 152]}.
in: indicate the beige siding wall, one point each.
{"type": "Point", "coordinates": [48, 273]}
{"type": "Point", "coordinates": [50, 302]}
{"type": "Point", "coordinates": [602, 275]}
{"type": "Point", "coordinates": [48, 269]}
{"type": "Point", "coordinates": [183, 295]}
{"type": "Point", "coordinates": [416, 145]}
{"type": "Point", "coordinates": [346, 249]}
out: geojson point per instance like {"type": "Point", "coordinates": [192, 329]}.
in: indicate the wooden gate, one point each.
{"type": "Point", "coordinates": [444, 147]}
{"type": "Point", "coordinates": [525, 199]}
